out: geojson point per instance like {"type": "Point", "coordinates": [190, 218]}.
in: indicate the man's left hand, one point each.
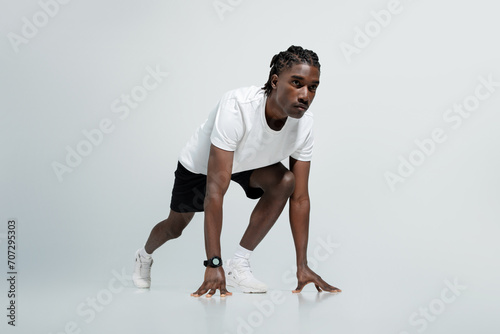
{"type": "Point", "coordinates": [305, 276]}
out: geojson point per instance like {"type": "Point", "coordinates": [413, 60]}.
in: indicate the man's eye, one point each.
{"type": "Point", "coordinates": [296, 82]}
{"type": "Point", "coordinates": [313, 88]}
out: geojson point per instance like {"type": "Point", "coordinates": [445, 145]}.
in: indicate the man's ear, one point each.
{"type": "Point", "coordinates": [274, 81]}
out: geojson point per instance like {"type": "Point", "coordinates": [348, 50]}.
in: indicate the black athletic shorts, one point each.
{"type": "Point", "coordinates": [188, 194]}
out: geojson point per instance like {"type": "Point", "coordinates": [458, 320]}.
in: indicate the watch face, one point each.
{"type": "Point", "coordinates": [215, 262]}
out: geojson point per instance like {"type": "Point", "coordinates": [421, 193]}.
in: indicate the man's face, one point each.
{"type": "Point", "coordinates": [295, 89]}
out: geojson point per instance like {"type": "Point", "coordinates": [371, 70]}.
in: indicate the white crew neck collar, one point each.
{"type": "Point", "coordinates": [264, 121]}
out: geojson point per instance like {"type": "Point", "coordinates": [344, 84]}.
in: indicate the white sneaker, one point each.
{"type": "Point", "coordinates": [239, 275]}
{"type": "Point", "coordinates": [142, 271]}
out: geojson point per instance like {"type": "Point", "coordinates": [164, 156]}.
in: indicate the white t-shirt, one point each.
{"type": "Point", "coordinates": [238, 124]}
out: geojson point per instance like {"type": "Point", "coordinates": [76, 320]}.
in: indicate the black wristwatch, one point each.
{"type": "Point", "coordinates": [213, 262]}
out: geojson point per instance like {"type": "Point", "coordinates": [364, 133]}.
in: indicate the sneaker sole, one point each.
{"type": "Point", "coordinates": [244, 289]}
{"type": "Point", "coordinates": [141, 283]}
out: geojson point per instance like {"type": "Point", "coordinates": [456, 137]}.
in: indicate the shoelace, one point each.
{"type": "Point", "coordinates": [243, 267]}
{"type": "Point", "coordinates": [145, 264]}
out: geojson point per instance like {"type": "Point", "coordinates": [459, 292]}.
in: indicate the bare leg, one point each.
{"type": "Point", "coordinates": [170, 228]}
{"type": "Point", "coordinates": [278, 184]}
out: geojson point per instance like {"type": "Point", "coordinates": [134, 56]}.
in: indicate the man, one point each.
{"type": "Point", "coordinates": [244, 139]}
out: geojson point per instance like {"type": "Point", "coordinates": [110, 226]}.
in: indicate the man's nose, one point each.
{"type": "Point", "coordinates": [303, 95]}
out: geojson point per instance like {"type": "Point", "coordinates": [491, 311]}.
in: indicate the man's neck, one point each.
{"type": "Point", "coordinates": [274, 117]}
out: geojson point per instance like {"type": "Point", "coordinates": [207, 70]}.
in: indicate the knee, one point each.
{"type": "Point", "coordinates": [168, 230]}
{"type": "Point", "coordinates": [175, 224]}
{"type": "Point", "coordinates": [174, 233]}
{"type": "Point", "coordinates": [286, 185]}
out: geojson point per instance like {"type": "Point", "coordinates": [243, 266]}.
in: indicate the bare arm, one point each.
{"type": "Point", "coordinates": [300, 208]}
{"type": "Point", "coordinates": [220, 164]}
{"type": "Point", "coordinates": [299, 222]}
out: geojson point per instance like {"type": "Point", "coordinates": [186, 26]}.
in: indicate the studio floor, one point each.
{"type": "Point", "coordinates": [115, 305]}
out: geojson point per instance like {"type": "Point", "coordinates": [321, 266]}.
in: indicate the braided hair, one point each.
{"type": "Point", "coordinates": [286, 59]}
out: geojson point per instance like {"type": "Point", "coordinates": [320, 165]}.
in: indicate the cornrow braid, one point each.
{"type": "Point", "coordinates": [286, 59]}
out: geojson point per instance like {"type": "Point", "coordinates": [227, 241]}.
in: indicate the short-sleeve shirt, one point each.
{"type": "Point", "coordinates": [238, 123]}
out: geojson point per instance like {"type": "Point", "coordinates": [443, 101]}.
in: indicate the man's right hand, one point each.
{"type": "Point", "coordinates": [214, 280]}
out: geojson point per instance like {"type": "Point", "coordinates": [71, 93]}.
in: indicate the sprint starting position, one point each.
{"type": "Point", "coordinates": [244, 139]}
